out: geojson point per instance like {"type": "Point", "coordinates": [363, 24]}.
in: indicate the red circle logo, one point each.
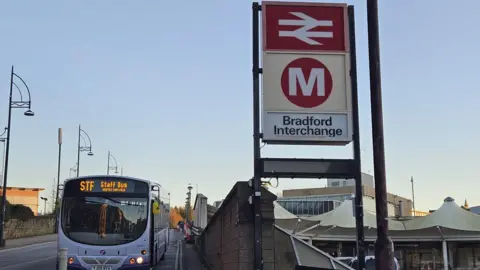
{"type": "Point", "coordinates": [306, 82]}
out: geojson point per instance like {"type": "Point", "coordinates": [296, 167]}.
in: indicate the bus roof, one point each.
{"type": "Point", "coordinates": [111, 176]}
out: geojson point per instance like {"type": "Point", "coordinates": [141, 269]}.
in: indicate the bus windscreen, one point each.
{"type": "Point", "coordinates": [104, 210]}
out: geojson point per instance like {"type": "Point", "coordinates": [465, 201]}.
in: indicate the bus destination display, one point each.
{"type": "Point", "coordinates": [107, 186]}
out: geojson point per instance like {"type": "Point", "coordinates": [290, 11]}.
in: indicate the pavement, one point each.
{"type": "Point", "coordinates": [40, 252]}
{"type": "Point", "coordinates": [180, 256]}
{"type": "Point", "coordinates": [190, 257]}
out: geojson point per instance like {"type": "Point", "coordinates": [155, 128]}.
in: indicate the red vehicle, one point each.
{"type": "Point", "coordinates": [188, 232]}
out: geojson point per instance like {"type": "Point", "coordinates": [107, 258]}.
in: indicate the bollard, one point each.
{"type": "Point", "coordinates": [62, 259]}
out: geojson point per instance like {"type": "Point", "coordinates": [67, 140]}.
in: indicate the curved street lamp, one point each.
{"type": "Point", "coordinates": [12, 104]}
{"type": "Point", "coordinates": [72, 169]}
{"type": "Point", "coordinates": [86, 148]}
{"type": "Point", "coordinates": [108, 164]}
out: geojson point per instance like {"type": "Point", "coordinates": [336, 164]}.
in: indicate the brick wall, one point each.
{"type": "Point", "coordinates": [40, 225]}
{"type": "Point", "coordinates": [227, 241]}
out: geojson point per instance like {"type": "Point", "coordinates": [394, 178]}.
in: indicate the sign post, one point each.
{"type": "Point", "coordinates": [309, 92]}
{"type": "Point", "coordinates": [306, 82]}
{"type": "Point", "coordinates": [383, 245]}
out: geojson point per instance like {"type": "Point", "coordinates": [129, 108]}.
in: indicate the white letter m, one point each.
{"type": "Point", "coordinates": [316, 74]}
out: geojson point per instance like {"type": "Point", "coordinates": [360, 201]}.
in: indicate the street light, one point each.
{"type": "Point", "coordinates": [85, 148]}
{"type": "Point", "coordinates": [73, 169]}
{"type": "Point", "coordinates": [44, 205]}
{"type": "Point", "coordinates": [108, 164]}
{"type": "Point", "coordinates": [12, 104]}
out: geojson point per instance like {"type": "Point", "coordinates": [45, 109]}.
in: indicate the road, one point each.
{"type": "Point", "coordinates": [38, 256]}
{"type": "Point", "coordinates": [43, 256]}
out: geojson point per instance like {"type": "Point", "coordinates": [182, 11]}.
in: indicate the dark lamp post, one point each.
{"type": "Point", "coordinates": [110, 156]}
{"type": "Point", "coordinates": [86, 148]}
{"type": "Point", "coordinates": [12, 104]}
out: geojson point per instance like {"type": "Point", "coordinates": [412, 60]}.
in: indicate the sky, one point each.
{"type": "Point", "coordinates": [166, 86]}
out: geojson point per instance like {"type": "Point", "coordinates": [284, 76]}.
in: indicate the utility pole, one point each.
{"type": "Point", "coordinates": [383, 244]}
{"type": "Point", "coordinates": [55, 202]}
{"type": "Point", "coordinates": [413, 196]}
{"type": "Point", "coordinates": [357, 152]}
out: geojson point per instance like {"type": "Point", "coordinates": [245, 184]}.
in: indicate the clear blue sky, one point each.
{"type": "Point", "coordinates": [167, 87]}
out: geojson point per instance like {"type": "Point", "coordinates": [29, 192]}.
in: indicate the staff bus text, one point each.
{"type": "Point", "coordinates": [105, 186]}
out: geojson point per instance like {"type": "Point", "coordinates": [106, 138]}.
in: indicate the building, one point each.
{"type": "Point", "coordinates": [475, 209]}
{"type": "Point", "coordinates": [367, 180]}
{"type": "Point", "coordinates": [25, 196]}
{"type": "Point", "coordinates": [316, 201]}
{"type": "Point", "coordinates": [217, 204]}
{"type": "Point", "coordinates": [202, 211]}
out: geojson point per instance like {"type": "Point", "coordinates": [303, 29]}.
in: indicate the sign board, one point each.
{"type": "Point", "coordinates": [306, 82]}
{"type": "Point", "coordinates": [86, 186]}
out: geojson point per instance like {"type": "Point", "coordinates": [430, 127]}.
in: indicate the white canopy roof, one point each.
{"type": "Point", "coordinates": [454, 220]}
{"type": "Point", "coordinates": [343, 217]}
{"type": "Point", "coordinates": [281, 213]}
{"type": "Point", "coordinates": [449, 215]}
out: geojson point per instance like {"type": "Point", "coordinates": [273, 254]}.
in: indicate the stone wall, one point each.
{"type": "Point", "coordinates": [227, 241]}
{"type": "Point", "coordinates": [35, 226]}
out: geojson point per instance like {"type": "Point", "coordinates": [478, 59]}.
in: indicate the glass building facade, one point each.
{"type": "Point", "coordinates": [312, 205]}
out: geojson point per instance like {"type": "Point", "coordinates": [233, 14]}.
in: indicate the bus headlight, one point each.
{"type": "Point", "coordinates": [140, 260]}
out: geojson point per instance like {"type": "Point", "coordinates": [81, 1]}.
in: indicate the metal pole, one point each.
{"type": "Point", "coordinates": [356, 143]}
{"type": "Point", "coordinates": [55, 203]}
{"type": "Point", "coordinates": [5, 172]}
{"type": "Point", "coordinates": [62, 259]}
{"type": "Point", "coordinates": [413, 196]}
{"type": "Point", "coordinates": [383, 244]}
{"type": "Point", "coordinates": [257, 181]}
{"type": "Point", "coordinates": [78, 150]}
{"type": "Point", "coordinates": [121, 171]}
{"type": "Point", "coordinates": [108, 163]}
{"type": "Point", "coordinates": [3, 157]}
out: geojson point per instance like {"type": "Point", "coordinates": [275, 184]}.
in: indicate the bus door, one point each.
{"type": "Point", "coordinates": [153, 234]}
{"type": "Point", "coordinates": [153, 252]}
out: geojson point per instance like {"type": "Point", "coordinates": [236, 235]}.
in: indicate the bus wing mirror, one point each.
{"type": "Point", "coordinates": [155, 208]}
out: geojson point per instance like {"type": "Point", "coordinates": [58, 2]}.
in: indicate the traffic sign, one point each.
{"type": "Point", "coordinates": [306, 82]}
{"type": "Point", "coordinates": [306, 96]}
{"type": "Point", "coordinates": [304, 26]}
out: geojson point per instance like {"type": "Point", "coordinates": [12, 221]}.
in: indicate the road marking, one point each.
{"type": "Point", "coordinates": [26, 263]}
{"type": "Point", "coordinates": [177, 256]}
{"type": "Point", "coordinates": [181, 255]}
{"type": "Point", "coordinates": [32, 245]}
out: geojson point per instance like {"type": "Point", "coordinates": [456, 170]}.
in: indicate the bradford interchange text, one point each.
{"type": "Point", "coordinates": [307, 126]}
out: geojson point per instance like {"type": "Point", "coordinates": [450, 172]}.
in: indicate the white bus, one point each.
{"type": "Point", "coordinates": [112, 222]}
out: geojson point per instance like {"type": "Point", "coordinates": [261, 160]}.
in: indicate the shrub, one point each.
{"type": "Point", "coordinates": [22, 212]}
{"type": "Point", "coordinates": [16, 211]}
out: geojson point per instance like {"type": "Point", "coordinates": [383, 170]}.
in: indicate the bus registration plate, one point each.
{"type": "Point", "coordinates": [102, 267]}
